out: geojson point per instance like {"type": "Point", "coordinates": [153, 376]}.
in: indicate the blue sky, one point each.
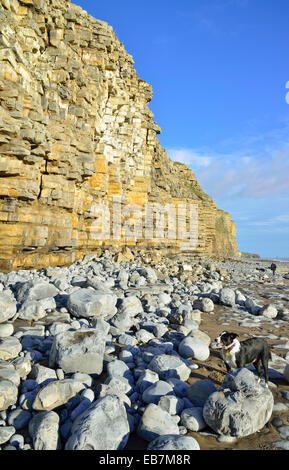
{"type": "Point", "coordinates": [219, 70]}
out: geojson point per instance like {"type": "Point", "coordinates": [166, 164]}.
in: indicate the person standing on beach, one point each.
{"type": "Point", "coordinates": [273, 268]}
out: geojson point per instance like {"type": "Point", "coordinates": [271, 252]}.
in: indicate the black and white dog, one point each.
{"type": "Point", "coordinates": [237, 354]}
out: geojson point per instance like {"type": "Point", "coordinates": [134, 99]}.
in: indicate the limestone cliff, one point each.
{"type": "Point", "coordinates": [76, 130]}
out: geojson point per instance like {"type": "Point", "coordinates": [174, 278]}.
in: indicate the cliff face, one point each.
{"type": "Point", "coordinates": [76, 131]}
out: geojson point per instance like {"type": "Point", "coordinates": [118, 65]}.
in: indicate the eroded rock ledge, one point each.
{"type": "Point", "coordinates": [76, 130]}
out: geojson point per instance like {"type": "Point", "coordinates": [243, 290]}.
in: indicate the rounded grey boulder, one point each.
{"type": "Point", "coordinates": [195, 348]}
{"type": "Point", "coordinates": [227, 297]}
{"type": "Point", "coordinates": [200, 390]}
{"type": "Point", "coordinates": [157, 390]}
{"type": "Point", "coordinates": [43, 428]}
{"type": "Point", "coordinates": [192, 419]}
{"type": "Point", "coordinates": [156, 422]}
{"type": "Point", "coordinates": [269, 311]}
{"type": "Point", "coordinates": [103, 426]}
{"type": "Point", "coordinates": [167, 367]}
{"type": "Point", "coordinates": [240, 407]}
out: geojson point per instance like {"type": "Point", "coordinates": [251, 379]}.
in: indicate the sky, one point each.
{"type": "Point", "coordinates": [219, 70]}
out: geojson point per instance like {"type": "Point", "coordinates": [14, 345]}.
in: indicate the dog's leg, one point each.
{"type": "Point", "coordinates": [264, 360]}
{"type": "Point", "coordinates": [257, 366]}
{"type": "Point", "coordinates": [228, 368]}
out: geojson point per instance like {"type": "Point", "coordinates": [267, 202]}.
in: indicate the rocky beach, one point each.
{"type": "Point", "coordinates": [111, 353]}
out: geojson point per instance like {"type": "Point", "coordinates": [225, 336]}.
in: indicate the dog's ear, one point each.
{"type": "Point", "coordinates": [235, 335]}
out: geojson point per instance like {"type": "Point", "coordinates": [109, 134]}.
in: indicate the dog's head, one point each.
{"type": "Point", "coordinates": [225, 339]}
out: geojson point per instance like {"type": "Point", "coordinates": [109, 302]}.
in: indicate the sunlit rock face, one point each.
{"type": "Point", "coordinates": [76, 132]}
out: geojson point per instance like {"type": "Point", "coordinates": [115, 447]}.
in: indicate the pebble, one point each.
{"type": "Point", "coordinates": [281, 444]}
{"type": "Point", "coordinates": [228, 439]}
{"type": "Point", "coordinates": [277, 422]}
{"type": "Point", "coordinates": [280, 407]}
{"type": "Point", "coordinates": [284, 431]}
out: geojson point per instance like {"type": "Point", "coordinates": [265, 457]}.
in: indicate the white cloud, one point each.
{"type": "Point", "coordinates": [190, 157]}
{"type": "Point", "coordinates": [279, 220]}
{"type": "Point", "coordinates": [237, 175]}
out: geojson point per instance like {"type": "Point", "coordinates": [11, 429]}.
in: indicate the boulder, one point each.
{"type": "Point", "coordinates": [153, 393]}
{"type": "Point", "coordinates": [180, 388]}
{"type": "Point", "coordinates": [10, 347]}
{"type": "Point", "coordinates": [22, 366]}
{"type": "Point", "coordinates": [89, 303]}
{"type": "Point", "coordinates": [159, 330]}
{"type": "Point", "coordinates": [193, 347]}
{"type": "Point", "coordinates": [164, 299]}
{"type": "Point", "coordinates": [167, 366]}
{"type": "Point", "coordinates": [122, 279]}
{"type": "Point", "coordinates": [8, 307]}
{"type": "Point", "coordinates": [241, 407]}
{"type": "Point", "coordinates": [56, 393]}
{"type": "Point", "coordinates": [117, 368]}
{"type": "Point", "coordinates": [131, 306]}
{"type": "Point", "coordinates": [204, 304]}
{"type": "Point", "coordinates": [78, 351]}
{"type": "Point", "coordinates": [116, 386]}
{"type": "Point", "coordinates": [269, 311]}
{"type": "Point", "coordinates": [192, 419]}
{"type": "Point", "coordinates": [8, 372]}
{"type": "Point", "coordinates": [31, 310]}
{"type": "Point", "coordinates": [227, 297]}
{"type": "Point", "coordinates": [143, 336]}
{"type": "Point", "coordinates": [127, 340]}
{"type": "Point", "coordinates": [8, 394]}
{"type": "Point", "coordinates": [200, 390]}
{"type": "Point", "coordinates": [41, 373]}
{"type": "Point", "coordinates": [252, 306]}
{"type": "Point", "coordinates": [195, 315]}
{"type": "Point", "coordinates": [103, 426]}
{"type": "Point", "coordinates": [146, 379]}
{"type": "Point", "coordinates": [35, 290]}
{"type": "Point", "coordinates": [201, 336]}
{"type": "Point", "coordinates": [148, 273]}
{"type": "Point", "coordinates": [43, 429]}
{"type": "Point", "coordinates": [156, 422]}
{"type": "Point", "coordinates": [122, 321]}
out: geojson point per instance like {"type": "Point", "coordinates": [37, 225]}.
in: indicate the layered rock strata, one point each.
{"type": "Point", "coordinates": [77, 138]}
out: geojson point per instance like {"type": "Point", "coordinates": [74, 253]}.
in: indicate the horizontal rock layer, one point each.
{"type": "Point", "coordinates": [75, 132]}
